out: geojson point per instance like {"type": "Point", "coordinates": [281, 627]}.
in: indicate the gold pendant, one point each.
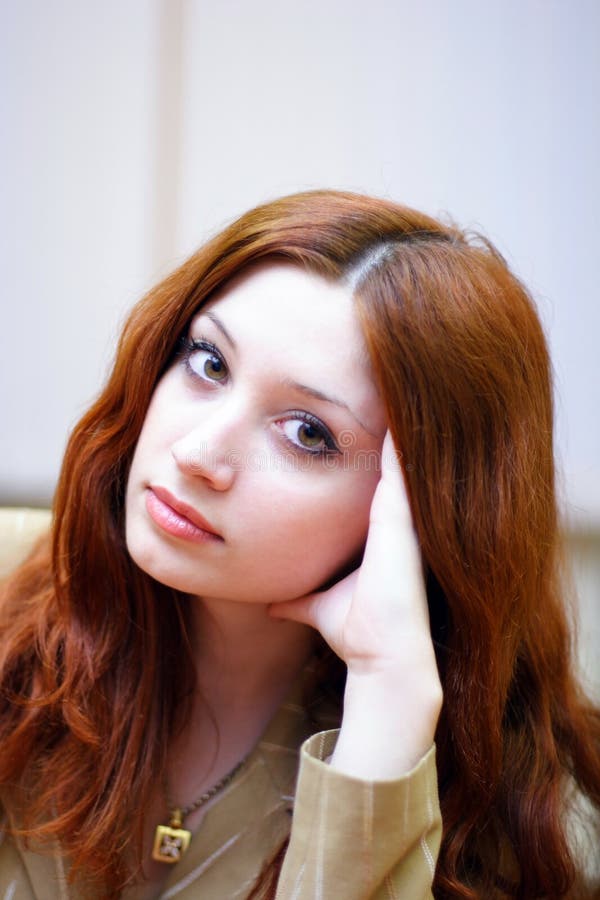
{"type": "Point", "coordinates": [171, 841]}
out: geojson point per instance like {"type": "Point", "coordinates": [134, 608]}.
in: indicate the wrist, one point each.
{"type": "Point", "coordinates": [389, 722]}
{"type": "Point", "coordinates": [395, 704]}
{"type": "Point", "coordinates": [397, 686]}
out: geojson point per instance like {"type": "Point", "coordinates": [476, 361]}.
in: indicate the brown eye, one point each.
{"type": "Point", "coordinates": [305, 432]}
{"type": "Point", "coordinates": [203, 361]}
{"type": "Point", "coordinates": [309, 436]}
{"type": "Point", "coordinates": [214, 368]}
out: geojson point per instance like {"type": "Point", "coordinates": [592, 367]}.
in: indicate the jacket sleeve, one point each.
{"type": "Point", "coordinates": [361, 840]}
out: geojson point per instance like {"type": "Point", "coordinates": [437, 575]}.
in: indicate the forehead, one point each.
{"type": "Point", "coordinates": [280, 297]}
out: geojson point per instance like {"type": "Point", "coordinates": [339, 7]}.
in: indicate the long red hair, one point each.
{"type": "Point", "coordinates": [87, 704]}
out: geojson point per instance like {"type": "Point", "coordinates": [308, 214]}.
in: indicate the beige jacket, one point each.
{"type": "Point", "coordinates": [350, 839]}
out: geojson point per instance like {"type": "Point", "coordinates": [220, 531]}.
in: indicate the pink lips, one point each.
{"type": "Point", "coordinates": [177, 518]}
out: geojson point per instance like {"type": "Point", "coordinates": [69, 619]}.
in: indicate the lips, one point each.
{"type": "Point", "coordinates": [177, 517]}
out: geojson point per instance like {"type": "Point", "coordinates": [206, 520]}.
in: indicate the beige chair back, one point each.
{"type": "Point", "coordinates": [19, 528]}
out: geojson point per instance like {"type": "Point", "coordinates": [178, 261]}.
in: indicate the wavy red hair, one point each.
{"type": "Point", "coordinates": [88, 640]}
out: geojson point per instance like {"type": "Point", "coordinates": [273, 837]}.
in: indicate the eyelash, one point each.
{"type": "Point", "coordinates": [330, 448]}
{"type": "Point", "coordinates": [188, 346]}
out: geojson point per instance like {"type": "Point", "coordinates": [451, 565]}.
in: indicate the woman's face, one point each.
{"type": "Point", "coordinates": [255, 468]}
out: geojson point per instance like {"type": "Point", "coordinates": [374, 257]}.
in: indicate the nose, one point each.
{"type": "Point", "coordinates": [211, 450]}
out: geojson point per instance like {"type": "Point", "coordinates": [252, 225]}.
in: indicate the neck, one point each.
{"type": "Point", "coordinates": [243, 653]}
{"type": "Point", "coordinates": [246, 663]}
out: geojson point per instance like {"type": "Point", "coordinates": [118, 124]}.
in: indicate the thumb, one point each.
{"type": "Point", "coordinates": [303, 609]}
{"type": "Point", "coordinates": [322, 609]}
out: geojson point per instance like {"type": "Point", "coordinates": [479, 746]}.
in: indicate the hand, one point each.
{"type": "Point", "coordinates": [376, 620]}
{"type": "Point", "coordinates": [374, 616]}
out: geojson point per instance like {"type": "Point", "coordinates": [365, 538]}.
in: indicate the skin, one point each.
{"type": "Point", "coordinates": [229, 446]}
{"type": "Point", "coordinates": [376, 620]}
{"type": "Point", "coordinates": [226, 434]}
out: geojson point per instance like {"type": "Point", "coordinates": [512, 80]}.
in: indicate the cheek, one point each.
{"type": "Point", "coordinates": [342, 526]}
{"type": "Point", "coordinates": [150, 449]}
{"type": "Point", "coordinates": [158, 433]}
{"type": "Point", "coordinates": [308, 537]}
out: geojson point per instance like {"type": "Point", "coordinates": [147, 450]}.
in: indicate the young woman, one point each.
{"type": "Point", "coordinates": [320, 477]}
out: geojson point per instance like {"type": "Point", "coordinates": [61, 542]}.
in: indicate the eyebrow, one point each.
{"type": "Point", "coordinates": [289, 382]}
{"type": "Point", "coordinates": [217, 322]}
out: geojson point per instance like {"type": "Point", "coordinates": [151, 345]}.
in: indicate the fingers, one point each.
{"type": "Point", "coordinates": [392, 560]}
{"type": "Point", "coordinates": [389, 457]}
{"type": "Point", "coordinates": [391, 537]}
{"type": "Point", "coordinates": [390, 497]}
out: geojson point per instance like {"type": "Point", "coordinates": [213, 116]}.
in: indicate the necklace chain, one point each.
{"type": "Point", "coordinates": [184, 811]}
{"type": "Point", "coordinates": [172, 841]}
